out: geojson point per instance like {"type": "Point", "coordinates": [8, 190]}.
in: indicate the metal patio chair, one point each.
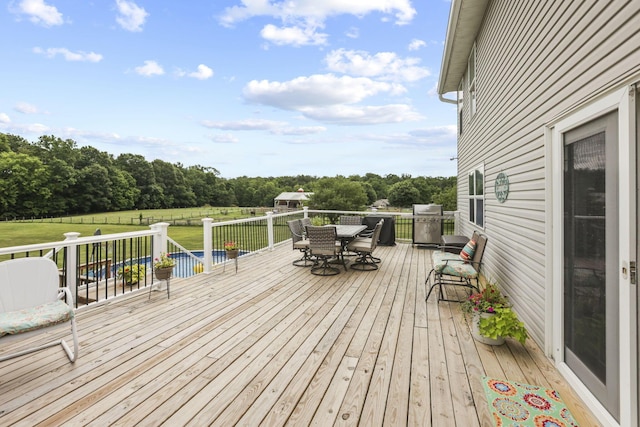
{"type": "Point", "coordinates": [32, 302]}
{"type": "Point", "coordinates": [364, 247]}
{"type": "Point", "coordinates": [324, 246]}
{"type": "Point", "coordinates": [451, 269]}
{"type": "Point", "coordinates": [300, 243]}
{"type": "Point", "coordinates": [350, 220]}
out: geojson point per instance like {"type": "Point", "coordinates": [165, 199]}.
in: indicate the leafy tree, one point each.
{"type": "Point", "coordinates": [23, 185]}
{"type": "Point", "coordinates": [448, 198]}
{"type": "Point", "coordinates": [338, 194]}
{"type": "Point", "coordinates": [150, 196]}
{"type": "Point", "coordinates": [371, 193]}
{"type": "Point", "coordinates": [403, 194]}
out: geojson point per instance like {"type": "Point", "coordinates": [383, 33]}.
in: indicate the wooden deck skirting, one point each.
{"type": "Point", "coordinates": [275, 345]}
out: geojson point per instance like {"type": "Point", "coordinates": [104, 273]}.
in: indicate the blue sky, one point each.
{"type": "Point", "coordinates": [249, 87]}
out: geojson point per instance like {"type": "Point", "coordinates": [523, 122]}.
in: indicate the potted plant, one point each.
{"type": "Point", "coordinates": [131, 273]}
{"type": "Point", "coordinates": [163, 266]}
{"type": "Point", "coordinates": [231, 249]}
{"type": "Point", "coordinates": [492, 317]}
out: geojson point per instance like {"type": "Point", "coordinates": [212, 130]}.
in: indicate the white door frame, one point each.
{"type": "Point", "coordinates": [622, 100]}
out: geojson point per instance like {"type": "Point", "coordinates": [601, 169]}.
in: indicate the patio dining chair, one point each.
{"type": "Point", "coordinates": [364, 247]}
{"type": "Point", "coordinates": [324, 246]}
{"type": "Point", "coordinates": [350, 220]}
{"type": "Point", "coordinates": [300, 243]}
{"type": "Point", "coordinates": [461, 270]}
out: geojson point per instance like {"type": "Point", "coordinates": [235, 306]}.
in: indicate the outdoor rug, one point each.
{"type": "Point", "coordinates": [515, 404]}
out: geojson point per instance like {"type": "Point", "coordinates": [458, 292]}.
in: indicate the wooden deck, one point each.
{"type": "Point", "coordinates": [274, 345]}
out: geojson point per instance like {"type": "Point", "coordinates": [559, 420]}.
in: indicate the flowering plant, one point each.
{"type": "Point", "coordinates": [131, 274]}
{"type": "Point", "coordinates": [503, 322]}
{"type": "Point", "coordinates": [164, 261]}
{"type": "Point", "coordinates": [486, 301]}
{"type": "Point", "coordinates": [231, 246]}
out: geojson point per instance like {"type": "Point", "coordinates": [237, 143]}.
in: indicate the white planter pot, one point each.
{"type": "Point", "coordinates": [475, 332]}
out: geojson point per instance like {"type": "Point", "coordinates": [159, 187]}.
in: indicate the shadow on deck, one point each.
{"type": "Point", "coordinates": [274, 345]}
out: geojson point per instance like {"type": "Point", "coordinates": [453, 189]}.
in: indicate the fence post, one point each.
{"type": "Point", "coordinates": [207, 244]}
{"type": "Point", "coordinates": [72, 264]}
{"type": "Point", "coordinates": [160, 244]}
{"type": "Point", "coordinates": [270, 229]}
{"type": "Point", "coordinates": [305, 211]}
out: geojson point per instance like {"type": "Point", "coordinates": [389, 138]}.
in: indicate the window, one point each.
{"type": "Point", "coordinates": [476, 196]}
{"type": "Point", "coordinates": [460, 105]}
{"type": "Point", "coordinates": [471, 81]}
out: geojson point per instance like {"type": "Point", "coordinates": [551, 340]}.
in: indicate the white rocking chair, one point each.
{"type": "Point", "coordinates": [31, 301]}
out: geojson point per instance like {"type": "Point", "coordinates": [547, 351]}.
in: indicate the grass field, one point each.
{"type": "Point", "coordinates": [146, 217]}
{"type": "Point", "coordinates": [25, 232]}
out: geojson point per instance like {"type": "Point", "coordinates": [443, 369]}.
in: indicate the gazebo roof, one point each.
{"type": "Point", "coordinates": [294, 195]}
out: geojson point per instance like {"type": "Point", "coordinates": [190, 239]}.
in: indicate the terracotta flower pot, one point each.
{"type": "Point", "coordinates": [475, 331]}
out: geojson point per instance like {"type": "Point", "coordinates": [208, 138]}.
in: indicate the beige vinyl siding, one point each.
{"type": "Point", "coordinates": [535, 62]}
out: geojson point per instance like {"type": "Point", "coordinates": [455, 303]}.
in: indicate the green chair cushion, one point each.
{"type": "Point", "coordinates": [451, 265]}
{"type": "Point", "coordinates": [30, 319]}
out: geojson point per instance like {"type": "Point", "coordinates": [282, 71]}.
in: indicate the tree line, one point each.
{"type": "Point", "coordinates": [55, 177]}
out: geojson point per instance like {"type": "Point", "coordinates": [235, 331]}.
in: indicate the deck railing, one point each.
{"type": "Point", "coordinates": [97, 268]}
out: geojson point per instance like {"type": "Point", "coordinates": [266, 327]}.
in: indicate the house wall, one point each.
{"type": "Point", "coordinates": [536, 60]}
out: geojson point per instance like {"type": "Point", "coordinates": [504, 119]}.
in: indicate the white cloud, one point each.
{"type": "Point", "coordinates": [150, 68]}
{"type": "Point", "coordinates": [68, 55]}
{"type": "Point", "coordinates": [302, 130]}
{"type": "Point", "coordinates": [250, 124]}
{"type": "Point", "coordinates": [203, 73]}
{"type": "Point", "coordinates": [294, 36]}
{"type": "Point", "coordinates": [382, 65]}
{"type": "Point", "coordinates": [225, 138]}
{"type": "Point", "coordinates": [417, 44]}
{"type": "Point", "coordinates": [274, 127]}
{"type": "Point", "coordinates": [131, 16]}
{"type": "Point", "coordinates": [301, 18]}
{"type": "Point", "coordinates": [26, 108]}
{"type": "Point", "coordinates": [353, 33]}
{"type": "Point", "coordinates": [425, 137]}
{"type": "Point", "coordinates": [4, 118]}
{"type": "Point", "coordinates": [330, 99]}
{"type": "Point", "coordinates": [30, 128]}
{"type": "Point", "coordinates": [316, 90]}
{"type": "Point", "coordinates": [39, 12]}
{"type": "Point", "coordinates": [317, 10]}
{"type": "Point", "coordinates": [365, 115]}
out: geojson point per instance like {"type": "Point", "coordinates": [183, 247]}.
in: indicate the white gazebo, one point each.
{"type": "Point", "coordinates": [291, 200]}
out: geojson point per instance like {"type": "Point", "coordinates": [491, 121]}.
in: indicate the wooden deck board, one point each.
{"type": "Point", "coordinates": [274, 345]}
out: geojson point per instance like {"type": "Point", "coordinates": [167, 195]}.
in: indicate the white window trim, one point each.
{"type": "Point", "coordinates": [471, 80]}
{"type": "Point", "coordinates": [554, 341]}
{"type": "Point", "coordinates": [461, 105]}
{"type": "Point", "coordinates": [473, 197]}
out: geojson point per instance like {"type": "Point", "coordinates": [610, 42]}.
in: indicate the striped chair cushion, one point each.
{"type": "Point", "coordinates": [466, 254]}
{"type": "Point", "coordinates": [451, 265]}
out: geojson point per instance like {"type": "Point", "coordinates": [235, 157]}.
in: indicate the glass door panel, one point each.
{"type": "Point", "coordinates": [591, 257]}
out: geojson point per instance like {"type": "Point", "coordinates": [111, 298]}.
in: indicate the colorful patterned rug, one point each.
{"type": "Point", "coordinates": [515, 404]}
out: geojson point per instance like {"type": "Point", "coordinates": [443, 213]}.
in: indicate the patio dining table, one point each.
{"type": "Point", "coordinates": [346, 233]}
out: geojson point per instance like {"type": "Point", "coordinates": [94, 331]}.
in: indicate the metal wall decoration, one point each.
{"type": "Point", "coordinates": [502, 187]}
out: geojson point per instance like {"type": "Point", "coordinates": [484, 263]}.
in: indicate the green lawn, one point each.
{"type": "Point", "coordinates": [25, 232]}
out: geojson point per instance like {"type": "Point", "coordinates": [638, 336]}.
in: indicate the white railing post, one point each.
{"type": "Point", "coordinates": [270, 229]}
{"type": "Point", "coordinates": [160, 244]}
{"type": "Point", "coordinates": [207, 244]}
{"type": "Point", "coordinates": [305, 212]}
{"type": "Point", "coordinates": [72, 264]}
